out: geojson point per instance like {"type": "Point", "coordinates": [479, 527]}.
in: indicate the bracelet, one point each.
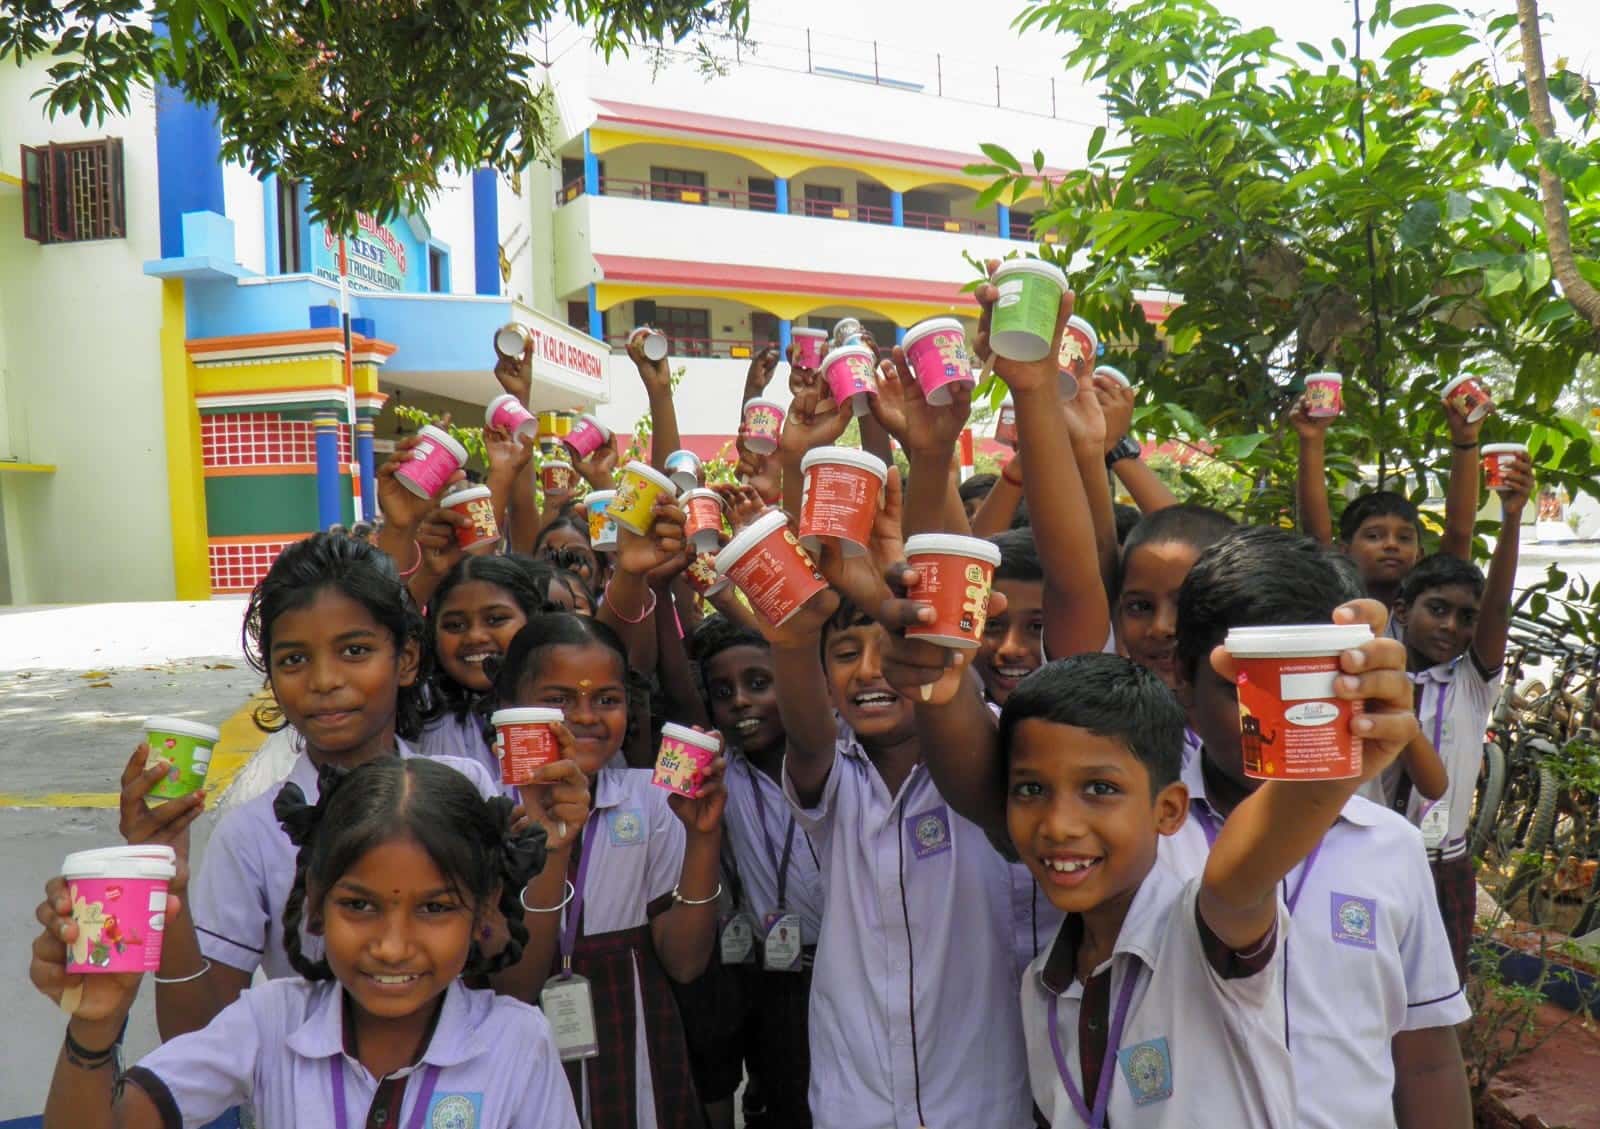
{"type": "Point", "coordinates": [1464, 446]}
{"type": "Point", "coordinates": [412, 571]}
{"type": "Point", "coordinates": [571, 893]}
{"type": "Point", "coordinates": [683, 901]}
{"type": "Point", "coordinates": [649, 606]}
{"type": "Point", "coordinates": [205, 967]}
{"type": "Point", "coordinates": [81, 1056]}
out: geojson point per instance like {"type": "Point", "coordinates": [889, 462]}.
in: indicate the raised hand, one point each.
{"type": "Point", "coordinates": [665, 542]}
{"type": "Point", "coordinates": [1462, 430]}
{"type": "Point", "coordinates": [1087, 422]}
{"type": "Point", "coordinates": [599, 467]}
{"type": "Point", "coordinates": [924, 672]}
{"type": "Point", "coordinates": [762, 368]}
{"type": "Point", "coordinates": [558, 798]}
{"type": "Point", "coordinates": [1116, 406]}
{"type": "Point", "coordinates": [103, 999]}
{"type": "Point", "coordinates": [763, 473]}
{"type": "Point", "coordinates": [506, 452]}
{"type": "Point", "coordinates": [656, 375]}
{"type": "Point", "coordinates": [1020, 376]}
{"type": "Point", "coordinates": [167, 823]}
{"type": "Point", "coordinates": [515, 374]}
{"type": "Point", "coordinates": [402, 509]}
{"type": "Point", "coordinates": [744, 503]}
{"type": "Point", "coordinates": [810, 423]}
{"type": "Point", "coordinates": [702, 814]}
{"type": "Point", "coordinates": [1519, 485]}
{"type": "Point", "coordinates": [1306, 425]}
{"type": "Point", "coordinates": [925, 430]}
{"type": "Point", "coordinates": [861, 578]}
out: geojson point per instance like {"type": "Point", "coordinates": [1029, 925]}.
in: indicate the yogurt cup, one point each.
{"type": "Point", "coordinates": [1005, 425]}
{"type": "Point", "coordinates": [476, 504]}
{"type": "Point", "coordinates": [703, 575]}
{"type": "Point", "coordinates": [1468, 396]}
{"type": "Point", "coordinates": [586, 436]}
{"type": "Point", "coordinates": [703, 519]}
{"type": "Point", "coordinates": [1497, 459]}
{"type": "Point", "coordinates": [634, 501]}
{"type": "Point", "coordinates": [1291, 725]}
{"type": "Point", "coordinates": [767, 563]}
{"type": "Point", "coordinates": [1079, 344]}
{"type": "Point", "coordinates": [1324, 395]}
{"type": "Point", "coordinates": [119, 901]}
{"type": "Point", "coordinates": [507, 413]}
{"type": "Point", "coordinates": [186, 746]}
{"type": "Point", "coordinates": [524, 741]}
{"type": "Point", "coordinates": [954, 574]}
{"type": "Point", "coordinates": [683, 759]}
{"type": "Point", "coordinates": [557, 477]}
{"type": "Point", "coordinates": [840, 497]}
{"type": "Point", "coordinates": [1024, 319]}
{"type": "Point", "coordinates": [432, 462]}
{"type": "Point", "coordinates": [936, 350]}
{"type": "Point", "coordinates": [602, 526]}
{"type": "Point", "coordinates": [809, 347]}
{"type": "Point", "coordinates": [511, 341]}
{"type": "Point", "coordinates": [763, 424]}
{"type": "Point", "coordinates": [851, 373]}
{"type": "Point", "coordinates": [651, 341]}
{"type": "Point", "coordinates": [846, 331]}
{"type": "Point", "coordinates": [683, 467]}
{"type": "Point", "coordinates": [1115, 374]}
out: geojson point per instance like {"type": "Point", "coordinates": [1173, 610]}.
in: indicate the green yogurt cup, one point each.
{"type": "Point", "coordinates": [1023, 324]}
{"type": "Point", "coordinates": [186, 746]}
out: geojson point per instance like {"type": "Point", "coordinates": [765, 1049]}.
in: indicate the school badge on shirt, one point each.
{"type": "Point", "coordinates": [930, 832]}
{"type": "Point", "coordinates": [1355, 920]}
{"type": "Point", "coordinates": [1147, 1068]}
{"type": "Point", "coordinates": [455, 1111]}
{"type": "Point", "coordinates": [627, 827]}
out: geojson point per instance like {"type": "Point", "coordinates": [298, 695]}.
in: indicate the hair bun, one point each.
{"type": "Point", "coordinates": [297, 818]}
{"type": "Point", "coordinates": [522, 853]}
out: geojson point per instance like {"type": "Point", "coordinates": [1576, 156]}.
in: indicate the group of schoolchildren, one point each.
{"type": "Point", "coordinates": [1028, 884]}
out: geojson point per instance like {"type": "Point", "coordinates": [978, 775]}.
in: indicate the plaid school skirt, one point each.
{"type": "Point", "coordinates": [1456, 887]}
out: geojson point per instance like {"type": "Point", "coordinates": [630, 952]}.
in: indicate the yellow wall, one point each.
{"type": "Point", "coordinates": [186, 490]}
{"type": "Point", "coordinates": [789, 306]}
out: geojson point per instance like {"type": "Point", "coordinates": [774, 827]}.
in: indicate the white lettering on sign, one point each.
{"type": "Point", "coordinates": [571, 357]}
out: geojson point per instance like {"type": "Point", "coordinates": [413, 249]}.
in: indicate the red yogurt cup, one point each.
{"type": "Point", "coordinates": [1324, 395]}
{"type": "Point", "coordinates": [1291, 725]}
{"type": "Point", "coordinates": [954, 574]}
{"type": "Point", "coordinates": [524, 741]}
{"type": "Point", "coordinates": [587, 436]}
{"type": "Point", "coordinates": [1467, 395]}
{"type": "Point", "coordinates": [433, 460]}
{"type": "Point", "coordinates": [767, 563]}
{"type": "Point", "coordinates": [507, 413]}
{"type": "Point", "coordinates": [1497, 459]}
{"type": "Point", "coordinates": [703, 519]}
{"type": "Point", "coordinates": [476, 504]}
{"type": "Point", "coordinates": [703, 575]}
{"type": "Point", "coordinates": [763, 424]}
{"type": "Point", "coordinates": [1005, 427]}
{"type": "Point", "coordinates": [852, 376]}
{"type": "Point", "coordinates": [840, 497]}
{"type": "Point", "coordinates": [683, 759]}
{"type": "Point", "coordinates": [809, 346]}
{"type": "Point", "coordinates": [557, 477]}
{"type": "Point", "coordinates": [936, 351]}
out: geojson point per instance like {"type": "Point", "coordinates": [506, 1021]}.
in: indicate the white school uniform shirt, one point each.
{"type": "Point", "coordinates": [236, 898]}
{"type": "Point", "coordinates": [1365, 956]}
{"type": "Point", "coordinates": [887, 859]}
{"type": "Point", "coordinates": [748, 838]}
{"type": "Point", "coordinates": [635, 847]}
{"type": "Point", "coordinates": [1197, 1047]}
{"type": "Point", "coordinates": [280, 1046]}
{"type": "Point", "coordinates": [1454, 703]}
{"type": "Point", "coordinates": [450, 736]}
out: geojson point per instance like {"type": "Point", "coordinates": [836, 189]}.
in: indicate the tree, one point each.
{"type": "Point", "coordinates": [368, 100]}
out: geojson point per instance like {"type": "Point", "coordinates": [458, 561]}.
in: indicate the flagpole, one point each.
{"type": "Point", "coordinates": [349, 379]}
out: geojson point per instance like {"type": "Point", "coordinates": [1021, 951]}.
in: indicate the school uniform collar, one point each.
{"type": "Point", "coordinates": [453, 1040]}
{"type": "Point", "coordinates": [304, 773]}
{"type": "Point", "coordinates": [610, 788]}
{"type": "Point", "coordinates": [1361, 812]}
{"type": "Point", "coordinates": [1442, 674]}
{"type": "Point", "coordinates": [1140, 936]}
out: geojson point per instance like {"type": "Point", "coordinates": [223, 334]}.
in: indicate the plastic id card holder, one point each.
{"type": "Point", "coordinates": [738, 940]}
{"type": "Point", "coordinates": [781, 953]}
{"type": "Point", "coordinates": [568, 1005]}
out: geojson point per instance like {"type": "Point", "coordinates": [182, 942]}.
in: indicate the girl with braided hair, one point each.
{"type": "Point", "coordinates": [399, 865]}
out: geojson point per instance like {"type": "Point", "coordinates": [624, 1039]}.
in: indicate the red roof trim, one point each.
{"type": "Point", "coordinates": [724, 276]}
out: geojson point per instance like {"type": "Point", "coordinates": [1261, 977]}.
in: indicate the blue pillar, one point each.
{"type": "Point", "coordinates": [364, 434]}
{"type": "Point", "coordinates": [591, 169]}
{"type": "Point", "coordinates": [188, 165]}
{"type": "Point", "coordinates": [1005, 221]}
{"type": "Point", "coordinates": [897, 209]}
{"type": "Point", "coordinates": [899, 335]}
{"type": "Point", "coordinates": [785, 336]}
{"type": "Point", "coordinates": [486, 231]}
{"type": "Point", "coordinates": [329, 509]}
{"type": "Point", "coordinates": [272, 237]}
{"type": "Point", "coordinates": [597, 321]}
{"type": "Point", "coordinates": [781, 187]}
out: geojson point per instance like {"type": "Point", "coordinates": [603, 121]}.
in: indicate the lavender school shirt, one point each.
{"type": "Point", "coordinates": [237, 896]}
{"type": "Point", "coordinates": [280, 1046]}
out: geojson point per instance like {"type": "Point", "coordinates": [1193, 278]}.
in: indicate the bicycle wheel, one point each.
{"type": "Point", "coordinates": [1486, 804]}
{"type": "Point", "coordinates": [1530, 864]}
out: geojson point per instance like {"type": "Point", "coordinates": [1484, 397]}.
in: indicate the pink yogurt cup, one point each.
{"type": "Point", "coordinates": [1324, 395]}
{"type": "Point", "coordinates": [809, 346]}
{"type": "Point", "coordinates": [507, 413]}
{"type": "Point", "coordinates": [851, 373]}
{"type": "Point", "coordinates": [767, 563]}
{"type": "Point", "coordinates": [763, 424]}
{"type": "Point", "coordinates": [432, 462]}
{"type": "Point", "coordinates": [936, 350]}
{"type": "Point", "coordinates": [119, 900]}
{"type": "Point", "coordinates": [684, 758]}
{"type": "Point", "coordinates": [587, 436]}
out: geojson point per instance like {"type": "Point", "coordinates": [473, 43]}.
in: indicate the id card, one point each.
{"type": "Point", "coordinates": [738, 940]}
{"type": "Point", "coordinates": [568, 1005]}
{"type": "Point", "coordinates": [1435, 825]}
{"type": "Point", "coordinates": [781, 953]}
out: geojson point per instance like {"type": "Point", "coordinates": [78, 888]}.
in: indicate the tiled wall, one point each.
{"type": "Point", "coordinates": [262, 439]}
{"type": "Point", "coordinates": [237, 567]}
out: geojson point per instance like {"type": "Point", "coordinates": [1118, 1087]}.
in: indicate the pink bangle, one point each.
{"type": "Point", "coordinates": [412, 571]}
{"type": "Point", "coordinates": [649, 606]}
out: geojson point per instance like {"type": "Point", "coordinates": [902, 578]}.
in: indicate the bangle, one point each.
{"type": "Point", "coordinates": [683, 901]}
{"type": "Point", "coordinates": [205, 967]}
{"type": "Point", "coordinates": [649, 605]}
{"type": "Point", "coordinates": [81, 1056]}
{"type": "Point", "coordinates": [412, 571]}
{"type": "Point", "coordinates": [571, 893]}
{"type": "Point", "coordinates": [1465, 446]}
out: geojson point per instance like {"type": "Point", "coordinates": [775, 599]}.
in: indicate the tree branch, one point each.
{"type": "Point", "coordinates": [1558, 232]}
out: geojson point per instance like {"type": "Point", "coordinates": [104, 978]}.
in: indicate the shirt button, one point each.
{"type": "Point", "coordinates": [381, 1116]}
{"type": "Point", "coordinates": [1094, 1025]}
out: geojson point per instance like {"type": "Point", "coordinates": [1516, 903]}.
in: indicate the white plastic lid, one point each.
{"type": "Point", "coordinates": [555, 462]}
{"type": "Point", "coordinates": [645, 470]}
{"type": "Point", "coordinates": [604, 430]}
{"type": "Point", "coordinates": [1326, 377]}
{"type": "Point", "coordinates": [1083, 326]}
{"type": "Point", "coordinates": [442, 437]}
{"type": "Point", "coordinates": [763, 402]}
{"type": "Point", "coordinates": [182, 726]}
{"type": "Point", "coordinates": [526, 715]}
{"type": "Point", "coordinates": [1451, 387]}
{"type": "Point", "coordinates": [932, 325]}
{"type": "Point", "coordinates": [494, 405]}
{"type": "Point", "coordinates": [510, 340]}
{"type": "Point", "coordinates": [1031, 266]}
{"type": "Point", "coordinates": [804, 332]}
{"type": "Point", "coordinates": [1295, 640]}
{"type": "Point", "coordinates": [977, 547]}
{"type": "Point", "coordinates": [598, 499]}
{"type": "Point", "coordinates": [1115, 374]}
{"type": "Point", "coordinates": [849, 351]}
{"type": "Point", "coordinates": [681, 454]}
{"type": "Point", "coordinates": [691, 737]}
{"type": "Point", "coordinates": [1505, 448]}
{"type": "Point", "coordinates": [748, 538]}
{"type": "Point", "coordinates": [703, 492]}
{"type": "Point", "coordinates": [850, 456]}
{"type": "Point", "coordinates": [147, 861]}
{"type": "Point", "coordinates": [465, 494]}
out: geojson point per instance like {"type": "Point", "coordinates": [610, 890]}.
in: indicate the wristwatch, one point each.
{"type": "Point", "coordinates": [1127, 448]}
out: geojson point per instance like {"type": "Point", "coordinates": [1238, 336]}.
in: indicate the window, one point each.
{"type": "Point", "coordinates": [686, 186]}
{"type": "Point", "coordinates": [874, 203]}
{"type": "Point", "coordinates": [438, 270]}
{"type": "Point", "coordinates": [688, 330]}
{"type": "Point", "coordinates": [73, 193]}
{"type": "Point", "coordinates": [763, 194]}
{"type": "Point", "coordinates": [291, 256]}
{"type": "Point", "coordinates": [572, 178]}
{"type": "Point", "coordinates": [763, 329]}
{"type": "Point", "coordinates": [1021, 224]}
{"type": "Point", "coordinates": [928, 210]}
{"type": "Point", "coordinates": [825, 200]}
{"type": "Point", "coordinates": [578, 315]}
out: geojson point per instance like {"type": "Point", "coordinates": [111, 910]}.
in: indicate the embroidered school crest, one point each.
{"type": "Point", "coordinates": [455, 1111]}
{"type": "Point", "coordinates": [627, 827]}
{"type": "Point", "coordinates": [1355, 920]}
{"type": "Point", "coordinates": [930, 832]}
{"type": "Point", "coordinates": [1147, 1068]}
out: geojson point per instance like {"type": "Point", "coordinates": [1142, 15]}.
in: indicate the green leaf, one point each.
{"type": "Point", "coordinates": [1421, 13]}
{"type": "Point", "coordinates": [1536, 275]}
{"type": "Point", "coordinates": [989, 195]}
{"type": "Point", "coordinates": [1038, 160]}
{"type": "Point", "coordinates": [1096, 140]}
{"type": "Point", "coordinates": [1240, 447]}
{"type": "Point", "coordinates": [1310, 50]}
{"type": "Point", "coordinates": [1432, 41]}
{"type": "Point", "coordinates": [1000, 156]}
{"type": "Point", "coordinates": [1501, 280]}
{"type": "Point", "coordinates": [1420, 224]}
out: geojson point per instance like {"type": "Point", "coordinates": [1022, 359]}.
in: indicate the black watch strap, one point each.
{"type": "Point", "coordinates": [1127, 448]}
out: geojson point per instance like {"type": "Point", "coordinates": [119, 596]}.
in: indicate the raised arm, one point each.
{"type": "Point", "coordinates": [928, 433]}
{"type": "Point", "coordinates": [804, 704]}
{"type": "Point", "coordinates": [999, 507]}
{"type": "Point", "coordinates": [1461, 495]}
{"type": "Point", "coordinates": [1494, 610]}
{"type": "Point", "coordinates": [1087, 424]}
{"type": "Point", "coordinates": [1149, 493]}
{"type": "Point", "coordinates": [657, 379]}
{"type": "Point", "coordinates": [630, 606]}
{"type": "Point", "coordinates": [1311, 475]}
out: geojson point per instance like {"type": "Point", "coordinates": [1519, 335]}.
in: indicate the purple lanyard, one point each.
{"type": "Point", "coordinates": [569, 928]}
{"type": "Point", "coordinates": [419, 1110]}
{"type": "Point", "coordinates": [781, 867]}
{"type": "Point", "coordinates": [1438, 716]}
{"type": "Point", "coordinates": [1095, 1118]}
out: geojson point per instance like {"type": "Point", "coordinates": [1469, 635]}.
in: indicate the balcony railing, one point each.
{"type": "Point", "coordinates": [731, 347]}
